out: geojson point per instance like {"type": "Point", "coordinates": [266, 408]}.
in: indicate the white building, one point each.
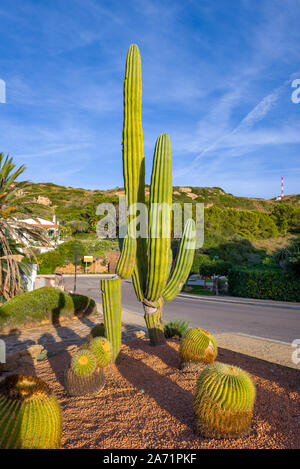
{"type": "Point", "coordinates": [50, 227]}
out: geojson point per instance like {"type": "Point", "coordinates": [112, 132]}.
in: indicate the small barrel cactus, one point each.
{"type": "Point", "coordinates": [97, 331]}
{"type": "Point", "coordinates": [197, 345]}
{"type": "Point", "coordinates": [223, 401]}
{"type": "Point", "coordinates": [30, 416]}
{"type": "Point", "coordinates": [102, 350]}
{"type": "Point", "coordinates": [83, 363]}
{"type": "Point", "coordinates": [84, 377]}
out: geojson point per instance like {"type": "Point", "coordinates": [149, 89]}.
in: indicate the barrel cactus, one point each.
{"type": "Point", "coordinates": [102, 350]}
{"type": "Point", "coordinates": [197, 346]}
{"type": "Point", "coordinates": [30, 416]}
{"type": "Point", "coordinates": [223, 401]}
{"type": "Point", "coordinates": [97, 331]}
{"type": "Point", "coordinates": [83, 363]}
{"type": "Point", "coordinates": [84, 376]}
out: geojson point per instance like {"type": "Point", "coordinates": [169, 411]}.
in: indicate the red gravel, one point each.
{"type": "Point", "coordinates": [147, 402]}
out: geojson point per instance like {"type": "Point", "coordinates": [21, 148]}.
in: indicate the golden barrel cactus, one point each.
{"type": "Point", "coordinates": [30, 416]}
{"type": "Point", "coordinates": [223, 401]}
{"type": "Point", "coordinates": [197, 345]}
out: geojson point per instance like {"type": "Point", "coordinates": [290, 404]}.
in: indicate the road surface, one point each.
{"type": "Point", "coordinates": [279, 323]}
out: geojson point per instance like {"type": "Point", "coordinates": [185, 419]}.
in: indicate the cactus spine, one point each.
{"type": "Point", "coordinates": [197, 345]}
{"type": "Point", "coordinates": [152, 267]}
{"type": "Point", "coordinates": [223, 401]}
{"type": "Point", "coordinates": [30, 416]}
{"type": "Point", "coordinates": [111, 303]}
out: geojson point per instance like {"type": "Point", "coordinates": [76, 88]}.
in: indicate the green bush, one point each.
{"type": "Point", "coordinates": [65, 252]}
{"type": "Point", "coordinates": [264, 283]}
{"type": "Point", "coordinates": [44, 303]}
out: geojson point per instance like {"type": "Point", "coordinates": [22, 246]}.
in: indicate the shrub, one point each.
{"type": "Point", "coordinates": [44, 303]}
{"type": "Point", "coordinates": [264, 283]}
{"type": "Point", "coordinates": [65, 252]}
{"type": "Point", "coordinates": [175, 327]}
{"type": "Point", "coordinates": [48, 261]}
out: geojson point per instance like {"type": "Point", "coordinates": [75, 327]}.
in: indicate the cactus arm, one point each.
{"type": "Point", "coordinates": [184, 262]}
{"type": "Point", "coordinates": [111, 303]}
{"type": "Point", "coordinates": [133, 144]}
{"type": "Point", "coordinates": [159, 240]}
{"type": "Point", "coordinates": [126, 262]}
{"type": "Point", "coordinates": [133, 155]}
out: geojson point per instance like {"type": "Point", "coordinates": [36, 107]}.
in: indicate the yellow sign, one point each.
{"type": "Point", "coordinates": [88, 258]}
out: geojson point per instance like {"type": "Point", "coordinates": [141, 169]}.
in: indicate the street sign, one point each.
{"type": "Point", "coordinates": [88, 259]}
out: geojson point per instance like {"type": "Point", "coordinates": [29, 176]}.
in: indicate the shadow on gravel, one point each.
{"type": "Point", "coordinates": [286, 377]}
{"type": "Point", "coordinates": [69, 337]}
{"type": "Point", "coordinates": [161, 388]}
{"type": "Point", "coordinates": [165, 352]}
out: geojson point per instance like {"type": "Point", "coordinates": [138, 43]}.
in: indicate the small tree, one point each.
{"type": "Point", "coordinates": [15, 235]}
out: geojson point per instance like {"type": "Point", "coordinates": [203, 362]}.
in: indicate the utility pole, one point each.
{"type": "Point", "coordinates": [75, 278]}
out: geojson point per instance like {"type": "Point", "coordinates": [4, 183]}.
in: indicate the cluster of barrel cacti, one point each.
{"type": "Point", "coordinates": [85, 376]}
{"type": "Point", "coordinates": [224, 394]}
{"type": "Point", "coordinates": [30, 416]}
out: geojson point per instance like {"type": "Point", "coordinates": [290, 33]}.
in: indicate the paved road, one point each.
{"type": "Point", "coordinates": [279, 323]}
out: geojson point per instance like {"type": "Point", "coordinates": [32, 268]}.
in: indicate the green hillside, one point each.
{"type": "Point", "coordinates": [226, 214]}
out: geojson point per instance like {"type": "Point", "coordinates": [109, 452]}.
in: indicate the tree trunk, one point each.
{"type": "Point", "coordinates": [154, 322]}
{"type": "Point", "coordinates": [217, 286]}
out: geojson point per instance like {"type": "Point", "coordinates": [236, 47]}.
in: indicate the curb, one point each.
{"type": "Point", "coordinates": [238, 301]}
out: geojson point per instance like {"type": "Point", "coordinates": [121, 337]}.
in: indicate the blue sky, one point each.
{"type": "Point", "coordinates": [216, 77]}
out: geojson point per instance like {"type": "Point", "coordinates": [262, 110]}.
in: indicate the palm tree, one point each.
{"type": "Point", "coordinates": [16, 236]}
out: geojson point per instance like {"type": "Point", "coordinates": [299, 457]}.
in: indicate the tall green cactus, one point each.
{"type": "Point", "coordinates": [147, 263]}
{"type": "Point", "coordinates": [111, 303]}
{"type": "Point", "coordinates": [151, 271]}
{"type": "Point", "coordinates": [30, 416]}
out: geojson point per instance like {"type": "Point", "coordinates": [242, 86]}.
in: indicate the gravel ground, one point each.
{"type": "Point", "coordinates": [147, 402]}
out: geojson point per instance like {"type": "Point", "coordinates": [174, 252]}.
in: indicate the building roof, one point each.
{"type": "Point", "coordinates": [41, 222]}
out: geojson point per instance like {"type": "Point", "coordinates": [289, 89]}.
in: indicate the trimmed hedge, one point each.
{"type": "Point", "coordinates": [263, 284]}
{"type": "Point", "coordinates": [44, 303]}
